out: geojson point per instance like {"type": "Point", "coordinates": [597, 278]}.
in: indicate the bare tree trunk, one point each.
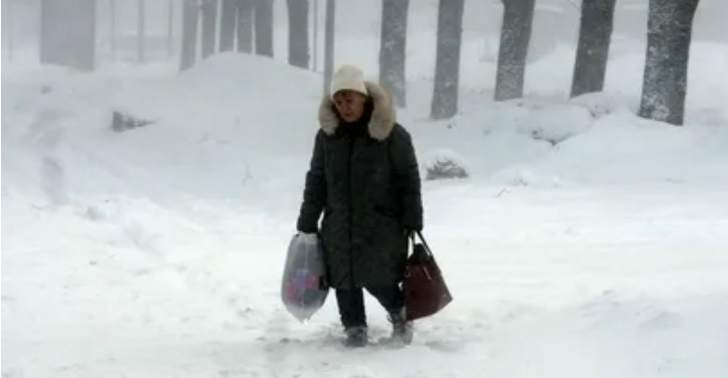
{"type": "Point", "coordinates": [141, 31]}
{"type": "Point", "coordinates": [228, 20]}
{"type": "Point", "coordinates": [49, 18]}
{"type": "Point", "coordinates": [447, 67]}
{"type": "Point", "coordinates": [315, 35]}
{"type": "Point", "coordinates": [87, 34]}
{"type": "Point", "coordinates": [112, 29]}
{"type": "Point", "coordinates": [68, 33]}
{"type": "Point", "coordinates": [329, 44]}
{"type": "Point", "coordinates": [8, 28]}
{"type": "Point", "coordinates": [595, 34]}
{"type": "Point", "coordinates": [665, 80]}
{"type": "Point", "coordinates": [209, 27]}
{"type": "Point", "coordinates": [170, 29]}
{"type": "Point", "coordinates": [298, 51]}
{"type": "Point", "coordinates": [245, 25]}
{"type": "Point", "coordinates": [393, 49]}
{"type": "Point", "coordinates": [190, 17]}
{"type": "Point", "coordinates": [514, 40]}
{"type": "Point", "coordinates": [264, 27]}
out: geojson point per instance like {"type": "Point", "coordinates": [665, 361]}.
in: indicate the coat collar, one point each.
{"type": "Point", "coordinates": [383, 114]}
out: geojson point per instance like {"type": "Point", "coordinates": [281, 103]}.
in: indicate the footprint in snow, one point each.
{"type": "Point", "coordinates": [53, 180]}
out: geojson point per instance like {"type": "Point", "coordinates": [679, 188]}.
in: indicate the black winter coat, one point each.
{"type": "Point", "coordinates": [365, 179]}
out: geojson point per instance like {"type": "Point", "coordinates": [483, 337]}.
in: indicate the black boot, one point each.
{"type": "Point", "coordinates": [402, 330]}
{"type": "Point", "coordinates": [356, 337]}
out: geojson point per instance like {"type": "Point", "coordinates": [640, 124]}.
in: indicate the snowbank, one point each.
{"type": "Point", "coordinates": [244, 117]}
{"type": "Point", "coordinates": [594, 139]}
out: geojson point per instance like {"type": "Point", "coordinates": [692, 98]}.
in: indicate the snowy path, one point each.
{"type": "Point", "coordinates": [565, 282]}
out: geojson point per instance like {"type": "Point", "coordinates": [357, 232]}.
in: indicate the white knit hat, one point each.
{"type": "Point", "coordinates": [348, 77]}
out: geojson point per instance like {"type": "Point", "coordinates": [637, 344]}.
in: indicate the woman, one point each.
{"type": "Point", "coordinates": [364, 177]}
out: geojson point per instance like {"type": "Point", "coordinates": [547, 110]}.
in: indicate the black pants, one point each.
{"type": "Point", "coordinates": [351, 303]}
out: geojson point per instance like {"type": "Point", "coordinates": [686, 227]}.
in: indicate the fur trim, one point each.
{"type": "Point", "coordinates": [383, 114]}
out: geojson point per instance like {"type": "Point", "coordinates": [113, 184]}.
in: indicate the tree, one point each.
{"type": "Point", "coordinates": [68, 33]}
{"type": "Point", "coordinates": [298, 51]}
{"type": "Point", "coordinates": [329, 44]}
{"type": "Point", "coordinates": [393, 49]}
{"type": "Point", "coordinates": [315, 35]}
{"type": "Point", "coordinates": [595, 34]}
{"type": "Point", "coordinates": [666, 66]}
{"type": "Point", "coordinates": [8, 28]}
{"type": "Point", "coordinates": [141, 31]}
{"type": "Point", "coordinates": [112, 28]}
{"type": "Point", "coordinates": [447, 66]}
{"type": "Point", "coordinates": [514, 40]}
{"type": "Point", "coordinates": [245, 25]}
{"type": "Point", "coordinates": [190, 16]}
{"type": "Point", "coordinates": [209, 27]}
{"type": "Point", "coordinates": [170, 29]}
{"type": "Point", "coordinates": [264, 27]}
{"type": "Point", "coordinates": [228, 20]}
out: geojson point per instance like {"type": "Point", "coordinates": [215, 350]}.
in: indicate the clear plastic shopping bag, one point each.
{"type": "Point", "coordinates": [304, 287]}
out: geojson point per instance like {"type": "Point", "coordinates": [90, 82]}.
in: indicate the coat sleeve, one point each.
{"type": "Point", "coordinates": [407, 178]}
{"type": "Point", "coordinates": [314, 194]}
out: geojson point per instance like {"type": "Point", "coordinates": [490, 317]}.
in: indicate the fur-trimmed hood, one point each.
{"type": "Point", "coordinates": [383, 114]}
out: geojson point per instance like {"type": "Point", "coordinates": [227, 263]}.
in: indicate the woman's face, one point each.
{"type": "Point", "coordinates": [350, 105]}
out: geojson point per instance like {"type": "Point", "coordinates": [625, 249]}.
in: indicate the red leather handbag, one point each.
{"type": "Point", "coordinates": [425, 290]}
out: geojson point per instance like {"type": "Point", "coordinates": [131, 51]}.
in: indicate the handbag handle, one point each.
{"type": "Point", "coordinates": [424, 242]}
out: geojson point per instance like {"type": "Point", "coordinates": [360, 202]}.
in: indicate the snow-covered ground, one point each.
{"type": "Point", "coordinates": [586, 242]}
